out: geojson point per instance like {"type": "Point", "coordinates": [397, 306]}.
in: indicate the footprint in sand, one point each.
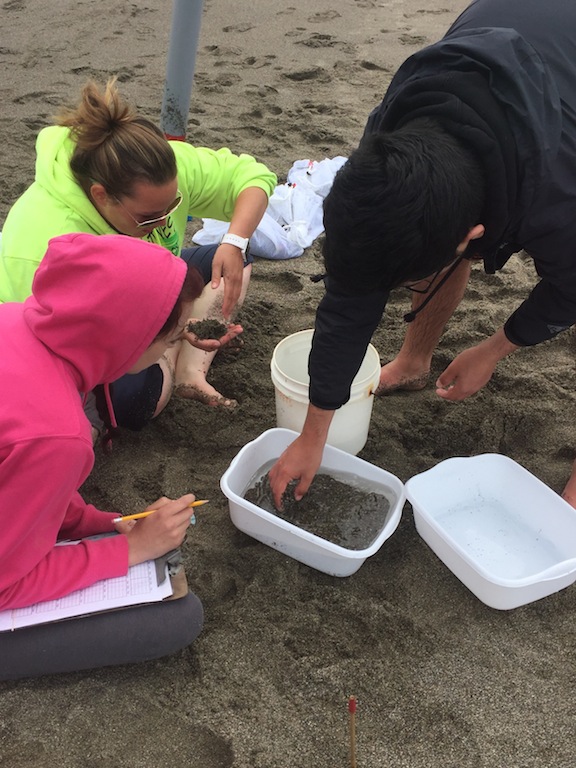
{"type": "Point", "coordinates": [371, 66]}
{"type": "Point", "coordinates": [318, 41]}
{"type": "Point", "coordinates": [432, 12]}
{"type": "Point", "coordinates": [261, 112]}
{"type": "Point", "coordinates": [37, 123]}
{"type": "Point", "coordinates": [263, 98]}
{"type": "Point", "coordinates": [256, 62]}
{"type": "Point", "coordinates": [319, 109]}
{"type": "Point", "coordinates": [288, 282]}
{"type": "Point", "coordinates": [227, 79]}
{"type": "Point", "coordinates": [36, 96]}
{"type": "Point", "coordinates": [407, 39]}
{"type": "Point", "coordinates": [238, 28]}
{"type": "Point", "coordinates": [261, 90]}
{"type": "Point", "coordinates": [314, 73]}
{"type": "Point", "coordinates": [295, 32]}
{"type": "Point", "coordinates": [322, 16]}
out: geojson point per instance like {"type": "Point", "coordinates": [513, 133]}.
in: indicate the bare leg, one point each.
{"type": "Point", "coordinates": [168, 365]}
{"type": "Point", "coordinates": [193, 364]}
{"type": "Point", "coordinates": [410, 368]}
{"type": "Point", "coordinates": [569, 492]}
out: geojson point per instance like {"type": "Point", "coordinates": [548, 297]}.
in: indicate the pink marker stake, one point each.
{"type": "Point", "coordinates": [352, 711]}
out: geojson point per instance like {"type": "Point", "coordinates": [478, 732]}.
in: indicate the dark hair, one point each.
{"type": "Point", "coordinates": [400, 206]}
{"type": "Point", "coordinates": [191, 289]}
{"type": "Point", "coordinates": [114, 145]}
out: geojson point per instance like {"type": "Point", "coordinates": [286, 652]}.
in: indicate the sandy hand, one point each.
{"type": "Point", "coordinates": [231, 331]}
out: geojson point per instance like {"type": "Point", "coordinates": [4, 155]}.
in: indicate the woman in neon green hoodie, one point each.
{"type": "Point", "coordinates": [103, 169]}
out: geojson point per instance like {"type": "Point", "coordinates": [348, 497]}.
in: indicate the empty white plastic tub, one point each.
{"type": "Point", "coordinates": [505, 534]}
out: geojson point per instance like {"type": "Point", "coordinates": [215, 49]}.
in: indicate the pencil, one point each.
{"type": "Point", "coordinates": [138, 515]}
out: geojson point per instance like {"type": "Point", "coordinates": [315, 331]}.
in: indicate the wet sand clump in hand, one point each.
{"type": "Point", "coordinates": [207, 329]}
{"type": "Point", "coordinates": [336, 511]}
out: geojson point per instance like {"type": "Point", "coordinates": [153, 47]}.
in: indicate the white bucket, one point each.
{"type": "Point", "coordinates": [289, 370]}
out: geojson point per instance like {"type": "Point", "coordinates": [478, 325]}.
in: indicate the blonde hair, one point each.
{"type": "Point", "coordinates": [115, 147]}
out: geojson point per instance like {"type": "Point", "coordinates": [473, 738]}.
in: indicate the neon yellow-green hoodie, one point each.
{"type": "Point", "coordinates": [55, 204]}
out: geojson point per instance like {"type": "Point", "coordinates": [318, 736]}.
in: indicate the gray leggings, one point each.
{"type": "Point", "coordinates": [138, 633]}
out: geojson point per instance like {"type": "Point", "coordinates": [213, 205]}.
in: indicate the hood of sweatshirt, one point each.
{"type": "Point", "coordinates": [490, 89]}
{"type": "Point", "coordinates": [99, 301]}
{"type": "Point", "coordinates": [54, 149]}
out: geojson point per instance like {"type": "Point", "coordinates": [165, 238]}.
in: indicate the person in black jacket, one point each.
{"type": "Point", "coordinates": [470, 155]}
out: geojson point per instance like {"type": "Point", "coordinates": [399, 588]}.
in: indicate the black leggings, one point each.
{"type": "Point", "coordinates": [137, 633]}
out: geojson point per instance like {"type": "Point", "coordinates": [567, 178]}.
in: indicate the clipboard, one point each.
{"type": "Point", "coordinates": [146, 583]}
{"type": "Point", "coordinates": [170, 566]}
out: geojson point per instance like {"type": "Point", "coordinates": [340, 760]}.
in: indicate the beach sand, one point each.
{"type": "Point", "coordinates": [442, 681]}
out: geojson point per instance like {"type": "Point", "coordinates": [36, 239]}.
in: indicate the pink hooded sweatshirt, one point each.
{"type": "Point", "coordinates": [98, 302]}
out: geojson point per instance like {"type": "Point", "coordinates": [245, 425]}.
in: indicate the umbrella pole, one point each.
{"type": "Point", "coordinates": [184, 34]}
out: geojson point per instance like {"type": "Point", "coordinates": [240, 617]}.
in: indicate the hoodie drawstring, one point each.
{"type": "Point", "coordinates": [106, 411]}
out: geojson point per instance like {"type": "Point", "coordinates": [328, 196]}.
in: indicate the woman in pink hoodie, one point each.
{"type": "Point", "coordinates": [102, 306]}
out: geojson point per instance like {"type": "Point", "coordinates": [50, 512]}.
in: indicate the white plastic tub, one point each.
{"type": "Point", "coordinates": [289, 372]}
{"type": "Point", "coordinates": [507, 536]}
{"type": "Point", "coordinates": [287, 538]}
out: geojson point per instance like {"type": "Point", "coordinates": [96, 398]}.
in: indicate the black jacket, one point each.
{"type": "Point", "coordinates": [503, 81]}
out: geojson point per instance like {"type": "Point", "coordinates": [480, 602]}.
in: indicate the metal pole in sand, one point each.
{"type": "Point", "coordinates": [184, 34]}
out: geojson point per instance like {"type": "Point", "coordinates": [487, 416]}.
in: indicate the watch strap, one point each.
{"type": "Point", "coordinates": [239, 242]}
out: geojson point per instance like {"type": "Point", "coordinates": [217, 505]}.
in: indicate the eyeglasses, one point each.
{"type": "Point", "coordinates": [149, 222]}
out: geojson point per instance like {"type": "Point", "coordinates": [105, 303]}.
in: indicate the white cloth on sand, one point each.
{"type": "Point", "coordinates": [293, 218]}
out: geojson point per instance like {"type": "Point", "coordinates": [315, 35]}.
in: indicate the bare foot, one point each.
{"type": "Point", "coordinates": [213, 399]}
{"type": "Point", "coordinates": [394, 377]}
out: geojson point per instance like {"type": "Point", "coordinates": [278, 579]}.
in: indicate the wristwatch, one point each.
{"type": "Point", "coordinates": [239, 242]}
